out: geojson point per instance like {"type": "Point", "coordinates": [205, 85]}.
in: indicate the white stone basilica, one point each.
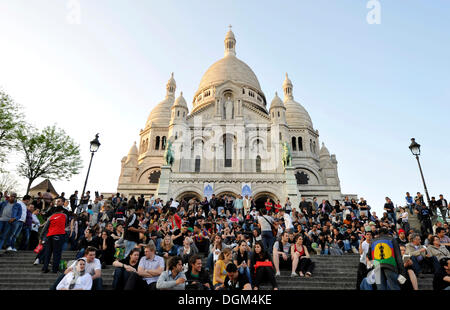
{"type": "Point", "coordinates": [230, 143]}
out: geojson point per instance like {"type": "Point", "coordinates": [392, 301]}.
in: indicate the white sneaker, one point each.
{"type": "Point", "coordinates": [293, 275]}
{"type": "Point", "coordinates": [9, 249]}
{"type": "Point", "coordinates": [354, 250]}
{"type": "Point", "coordinates": [36, 262]}
{"type": "Point", "coordinates": [277, 274]}
{"type": "Point", "coordinates": [14, 249]}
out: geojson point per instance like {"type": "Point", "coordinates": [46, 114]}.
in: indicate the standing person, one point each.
{"type": "Point", "coordinates": [84, 201]}
{"type": "Point", "coordinates": [73, 199]}
{"type": "Point", "coordinates": [288, 206]}
{"type": "Point", "coordinates": [173, 278]}
{"type": "Point", "coordinates": [10, 212]}
{"type": "Point", "coordinates": [265, 222]}
{"type": "Point", "coordinates": [132, 230]}
{"type": "Point", "coordinates": [238, 204]}
{"type": "Point", "coordinates": [424, 214]}
{"type": "Point", "coordinates": [410, 202]}
{"type": "Point", "coordinates": [364, 247]}
{"type": "Point", "coordinates": [26, 229]}
{"type": "Point", "coordinates": [55, 231]}
{"type": "Point", "coordinates": [17, 225]}
{"type": "Point", "coordinates": [443, 206]}
{"type": "Point", "coordinates": [268, 206]}
{"type": "Point", "coordinates": [389, 208]}
{"type": "Point", "coordinates": [246, 204]}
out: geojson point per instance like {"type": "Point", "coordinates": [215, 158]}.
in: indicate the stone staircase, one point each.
{"type": "Point", "coordinates": [17, 272]}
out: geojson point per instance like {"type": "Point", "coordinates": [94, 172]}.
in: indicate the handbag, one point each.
{"type": "Point", "coordinates": [39, 248]}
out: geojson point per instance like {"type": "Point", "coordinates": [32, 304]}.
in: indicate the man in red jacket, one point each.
{"type": "Point", "coordinates": [54, 230]}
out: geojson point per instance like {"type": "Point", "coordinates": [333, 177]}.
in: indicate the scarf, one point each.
{"type": "Point", "coordinates": [76, 274]}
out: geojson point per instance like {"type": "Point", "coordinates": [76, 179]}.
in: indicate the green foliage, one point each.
{"type": "Point", "coordinates": [11, 120]}
{"type": "Point", "coordinates": [49, 153]}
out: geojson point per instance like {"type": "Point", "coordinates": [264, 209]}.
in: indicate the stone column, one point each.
{"type": "Point", "coordinates": [162, 190]}
{"type": "Point", "coordinates": [291, 188]}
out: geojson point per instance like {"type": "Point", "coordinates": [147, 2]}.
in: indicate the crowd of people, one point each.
{"type": "Point", "coordinates": [223, 243]}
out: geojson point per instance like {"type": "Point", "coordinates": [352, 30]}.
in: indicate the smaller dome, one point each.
{"type": "Point", "coordinates": [277, 102]}
{"type": "Point", "coordinates": [133, 150]}
{"type": "Point", "coordinates": [180, 102]}
{"type": "Point", "coordinates": [324, 151]}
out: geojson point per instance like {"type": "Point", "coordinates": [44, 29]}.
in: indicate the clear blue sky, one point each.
{"type": "Point", "coordinates": [368, 88]}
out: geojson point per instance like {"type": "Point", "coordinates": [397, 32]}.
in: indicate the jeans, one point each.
{"type": "Point", "coordinates": [80, 253]}
{"type": "Point", "coordinates": [268, 240]}
{"type": "Point", "coordinates": [16, 229]}
{"type": "Point", "coordinates": [210, 262]}
{"type": "Point", "coordinates": [26, 230]}
{"type": "Point", "coordinates": [388, 280]}
{"type": "Point", "coordinates": [5, 228]}
{"type": "Point", "coordinates": [364, 286]}
{"type": "Point", "coordinates": [129, 245]}
{"type": "Point", "coordinates": [53, 246]}
{"type": "Point", "coordinates": [392, 217]}
{"type": "Point", "coordinates": [120, 279]}
{"type": "Point", "coordinates": [246, 271]}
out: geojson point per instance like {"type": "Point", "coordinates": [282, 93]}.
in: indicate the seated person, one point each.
{"type": "Point", "coordinates": [410, 275]}
{"type": "Point", "coordinates": [262, 267]}
{"type": "Point", "coordinates": [124, 268]}
{"type": "Point", "coordinates": [301, 259]}
{"type": "Point", "coordinates": [77, 279]}
{"type": "Point", "coordinates": [236, 281]}
{"type": "Point", "coordinates": [173, 278]}
{"type": "Point", "coordinates": [242, 259]}
{"type": "Point", "coordinates": [418, 253]}
{"type": "Point", "coordinates": [197, 277]}
{"type": "Point", "coordinates": [437, 251]}
{"type": "Point", "coordinates": [149, 269]}
{"type": "Point", "coordinates": [282, 253]}
{"type": "Point", "coordinates": [187, 250]}
{"type": "Point", "coordinates": [92, 267]}
{"type": "Point", "coordinates": [106, 248]}
{"type": "Point", "coordinates": [220, 273]}
{"type": "Point", "coordinates": [89, 240]}
{"type": "Point", "coordinates": [441, 280]}
{"type": "Point", "coordinates": [168, 249]}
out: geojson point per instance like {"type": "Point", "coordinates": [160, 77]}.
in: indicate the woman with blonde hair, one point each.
{"type": "Point", "coordinates": [220, 272]}
{"type": "Point", "coordinates": [168, 249]}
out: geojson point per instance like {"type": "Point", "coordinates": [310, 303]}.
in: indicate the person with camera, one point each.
{"type": "Point", "coordinates": [236, 281]}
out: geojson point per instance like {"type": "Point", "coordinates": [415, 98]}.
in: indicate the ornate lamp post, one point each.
{"type": "Point", "coordinates": [415, 150]}
{"type": "Point", "coordinates": [95, 144]}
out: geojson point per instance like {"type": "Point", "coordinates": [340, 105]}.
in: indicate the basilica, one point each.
{"type": "Point", "coordinates": [232, 142]}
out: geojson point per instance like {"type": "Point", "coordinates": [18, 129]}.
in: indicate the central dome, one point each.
{"type": "Point", "coordinates": [229, 68]}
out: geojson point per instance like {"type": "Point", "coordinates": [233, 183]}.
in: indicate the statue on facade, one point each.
{"type": "Point", "coordinates": [168, 154]}
{"type": "Point", "coordinates": [287, 157]}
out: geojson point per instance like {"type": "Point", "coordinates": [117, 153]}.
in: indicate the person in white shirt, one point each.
{"type": "Point", "coordinates": [364, 248]}
{"type": "Point", "coordinates": [77, 279]}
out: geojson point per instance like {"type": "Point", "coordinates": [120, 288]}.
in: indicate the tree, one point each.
{"type": "Point", "coordinates": [11, 120]}
{"type": "Point", "coordinates": [49, 153]}
{"type": "Point", "coordinates": [8, 183]}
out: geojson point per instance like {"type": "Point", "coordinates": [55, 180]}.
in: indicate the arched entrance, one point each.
{"type": "Point", "coordinates": [261, 198]}
{"type": "Point", "coordinates": [186, 196]}
{"type": "Point", "coordinates": [234, 195]}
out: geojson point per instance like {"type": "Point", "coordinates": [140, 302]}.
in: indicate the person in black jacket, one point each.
{"type": "Point", "coordinates": [197, 277]}
{"type": "Point", "coordinates": [443, 206]}
{"type": "Point", "coordinates": [106, 248]}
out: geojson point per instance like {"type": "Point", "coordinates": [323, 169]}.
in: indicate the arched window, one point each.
{"type": "Point", "coordinates": [158, 139]}
{"type": "Point", "coordinates": [294, 144]}
{"type": "Point", "coordinates": [197, 164]}
{"type": "Point", "coordinates": [310, 145]}
{"type": "Point", "coordinates": [228, 150]}
{"type": "Point", "coordinates": [178, 114]}
{"type": "Point", "coordinates": [258, 163]}
{"type": "Point", "coordinates": [300, 144]}
{"type": "Point", "coordinates": [163, 144]}
{"type": "Point", "coordinates": [314, 147]}
{"type": "Point", "coordinates": [278, 114]}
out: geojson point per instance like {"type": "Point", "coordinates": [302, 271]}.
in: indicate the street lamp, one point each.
{"type": "Point", "coordinates": [415, 150]}
{"type": "Point", "coordinates": [95, 144]}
